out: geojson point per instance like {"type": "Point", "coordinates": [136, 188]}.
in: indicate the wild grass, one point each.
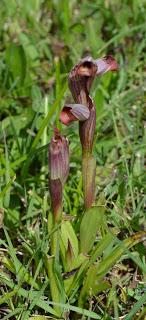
{"type": "Point", "coordinates": [40, 43]}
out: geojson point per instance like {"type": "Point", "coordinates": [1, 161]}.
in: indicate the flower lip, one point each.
{"type": "Point", "coordinates": [74, 112]}
{"type": "Point", "coordinates": [105, 64]}
{"type": "Point", "coordinates": [66, 116]}
{"type": "Point", "coordinates": [82, 75]}
{"type": "Point", "coordinates": [87, 67]}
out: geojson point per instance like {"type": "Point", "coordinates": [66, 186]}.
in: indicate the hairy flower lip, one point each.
{"type": "Point", "coordinates": [74, 112]}
{"type": "Point", "coordinates": [86, 67]}
{"type": "Point", "coordinates": [83, 73]}
{"type": "Point", "coordinates": [89, 67]}
{"type": "Point", "coordinates": [105, 64]}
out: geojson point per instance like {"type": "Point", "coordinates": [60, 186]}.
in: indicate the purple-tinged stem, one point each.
{"type": "Point", "coordinates": [80, 81]}
{"type": "Point", "coordinates": [58, 172]}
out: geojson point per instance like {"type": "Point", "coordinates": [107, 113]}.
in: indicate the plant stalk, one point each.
{"type": "Point", "coordinates": [89, 173]}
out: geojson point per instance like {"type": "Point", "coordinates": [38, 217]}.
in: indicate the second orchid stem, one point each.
{"type": "Point", "coordinates": [89, 173]}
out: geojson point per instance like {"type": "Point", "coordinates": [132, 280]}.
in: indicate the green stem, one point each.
{"type": "Point", "coordinates": [55, 294]}
{"type": "Point", "coordinates": [54, 225]}
{"type": "Point", "coordinates": [89, 173]}
{"type": "Point", "coordinates": [57, 207]}
{"type": "Point", "coordinates": [87, 131]}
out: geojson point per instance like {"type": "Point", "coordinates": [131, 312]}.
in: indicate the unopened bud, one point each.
{"type": "Point", "coordinates": [58, 169]}
{"type": "Point", "coordinates": [59, 157]}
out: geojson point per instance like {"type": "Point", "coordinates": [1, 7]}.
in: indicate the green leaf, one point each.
{"type": "Point", "coordinates": [21, 272]}
{"type": "Point", "coordinates": [70, 276]}
{"type": "Point", "coordinates": [136, 307]}
{"type": "Point", "coordinates": [42, 128]}
{"type": "Point", "coordinates": [13, 313]}
{"type": "Point", "coordinates": [38, 317]}
{"type": "Point", "coordinates": [105, 265]}
{"type": "Point", "coordinates": [56, 284]}
{"type": "Point", "coordinates": [69, 244]}
{"type": "Point", "coordinates": [37, 104]}
{"type": "Point", "coordinates": [16, 62]}
{"type": "Point", "coordinates": [97, 271]}
{"type": "Point", "coordinates": [91, 287]}
{"type": "Point", "coordinates": [30, 295]}
{"type": "Point", "coordinates": [91, 222]}
{"type": "Point", "coordinates": [97, 252]}
{"type": "Point", "coordinates": [45, 305]}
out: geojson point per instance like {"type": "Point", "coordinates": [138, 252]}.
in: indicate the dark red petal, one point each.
{"type": "Point", "coordinates": [66, 116]}
{"type": "Point", "coordinates": [74, 112]}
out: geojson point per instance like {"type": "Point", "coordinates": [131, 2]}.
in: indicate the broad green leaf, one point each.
{"type": "Point", "coordinates": [30, 48]}
{"type": "Point", "coordinates": [76, 263]}
{"type": "Point", "coordinates": [91, 222]}
{"type": "Point", "coordinates": [16, 62]}
{"type": "Point", "coordinates": [37, 103]}
{"type": "Point", "coordinates": [97, 252]}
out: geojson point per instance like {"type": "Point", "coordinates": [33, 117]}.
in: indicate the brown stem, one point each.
{"type": "Point", "coordinates": [56, 199]}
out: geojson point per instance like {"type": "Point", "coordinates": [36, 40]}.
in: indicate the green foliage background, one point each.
{"type": "Point", "coordinates": [40, 42]}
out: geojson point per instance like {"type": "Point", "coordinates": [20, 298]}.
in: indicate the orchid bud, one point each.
{"type": "Point", "coordinates": [59, 157]}
{"type": "Point", "coordinates": [59, 169]}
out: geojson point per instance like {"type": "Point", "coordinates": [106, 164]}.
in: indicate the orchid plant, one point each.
{"type": "Point", "coordinates": [77, 263]}
{"type": "Point", "coordinates": [80, 81]}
